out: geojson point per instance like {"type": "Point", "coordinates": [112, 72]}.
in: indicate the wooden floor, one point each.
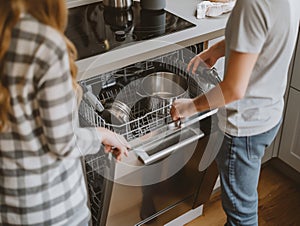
{"type": "Point", "coordinates": [279, 202]}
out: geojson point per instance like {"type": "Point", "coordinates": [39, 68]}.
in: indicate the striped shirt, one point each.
{"type": "Point", "coordinates": [41, 177]}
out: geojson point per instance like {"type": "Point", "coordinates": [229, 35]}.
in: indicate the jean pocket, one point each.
{"type": "Point", "coordinates": [255, 149]}
{"type": "Point", "coordinates": [257, 144]}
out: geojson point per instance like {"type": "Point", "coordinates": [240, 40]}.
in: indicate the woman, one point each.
{"type": "Point", "coordinates": [41, 179]}
{"type": "Point", "coordinates": [259, 42]}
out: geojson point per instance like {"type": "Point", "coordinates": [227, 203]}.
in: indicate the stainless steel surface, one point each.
{"type": "Point", "coordinates": [118, 3]}
{"type": "Point", "coordinates": [118, 113]}
{"type": "Point", "coordinates": [162, 88]}
{"type": "Point", "coordinates": [165, 85]}
{"type": "Point", "coordinates": [166, 150]}
{"type": "Point", "coordinates": [122, 110]}
{"type": "Point", "coordinates": [151, 152]}
{"type": "Point", "coordinates": [135, 205]}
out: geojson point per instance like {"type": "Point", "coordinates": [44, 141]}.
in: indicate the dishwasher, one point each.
{"type": "Point", "coordinates": [170, 169]}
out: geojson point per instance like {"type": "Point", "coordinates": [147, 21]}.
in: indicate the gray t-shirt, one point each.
{"type": "Point", "coordinates": [267, 27]}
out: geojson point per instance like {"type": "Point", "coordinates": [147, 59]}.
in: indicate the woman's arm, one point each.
{"type": "Point", "coordinates": [59, 114]}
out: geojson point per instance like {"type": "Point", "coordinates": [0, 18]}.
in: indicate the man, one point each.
{"type": "Point", "coordinates": [259, 41]}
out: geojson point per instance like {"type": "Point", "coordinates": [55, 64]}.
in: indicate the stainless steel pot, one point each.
{"type": "Point", "coordinates": [163, 88]}
{"type": "Point", "coordinates": [153, 4]}
{"type": "Point", "coordinates": [120, 4]}
{"type": "Point", "coordinates": [119, 20]}
{"type": "Point", "coordinates": [117, 114]}
{"type": "Point", "coordinates": [155, 20]}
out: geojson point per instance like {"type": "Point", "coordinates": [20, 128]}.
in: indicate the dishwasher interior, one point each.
{"type": "Point", "coordinates": [144, 123]}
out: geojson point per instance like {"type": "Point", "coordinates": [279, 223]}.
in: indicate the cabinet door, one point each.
{"type": "Point", "coordinates": [289, 150]}
{"type": "Point", "coordinates": [296, 70]}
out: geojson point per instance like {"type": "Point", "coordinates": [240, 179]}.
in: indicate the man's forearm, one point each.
{"type": "Point", "coordinates": [218, 49]}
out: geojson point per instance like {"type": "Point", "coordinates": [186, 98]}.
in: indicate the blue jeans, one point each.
{"type": "Point", "coordinates": [239, 161]}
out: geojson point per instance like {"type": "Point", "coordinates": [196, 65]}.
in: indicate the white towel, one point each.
{"type": "Point", "coordinates": [213, 9]}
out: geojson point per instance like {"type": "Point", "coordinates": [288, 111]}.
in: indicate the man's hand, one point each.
{"type": "Point", "coordinates": [182, 108]}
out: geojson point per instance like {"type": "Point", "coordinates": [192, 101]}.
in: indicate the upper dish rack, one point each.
{"type": "Point", "coordinates": [107, 88]}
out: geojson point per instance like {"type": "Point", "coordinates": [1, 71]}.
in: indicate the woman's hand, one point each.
{"type": "Point", "coordinates": [182, 108]}
{"type": "Point", "coordinates": [114, 143]}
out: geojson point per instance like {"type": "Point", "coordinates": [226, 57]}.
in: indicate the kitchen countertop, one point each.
{"type": "Point", "coordinates": [206, 29]}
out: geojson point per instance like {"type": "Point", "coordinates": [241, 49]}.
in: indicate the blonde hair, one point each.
{"type": "Point", "coordinates": [50, 12]}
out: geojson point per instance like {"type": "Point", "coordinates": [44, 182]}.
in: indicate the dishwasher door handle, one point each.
{"type": "Point", "coordinates": [152, 152]}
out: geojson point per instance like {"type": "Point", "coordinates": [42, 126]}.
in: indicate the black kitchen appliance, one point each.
{"type": "Point", "coordinates": [96, 29]}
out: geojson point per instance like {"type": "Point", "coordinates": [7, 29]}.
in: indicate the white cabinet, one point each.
{"type": "Point", "coordinates": [295, 82]}
{"type": "Point", "coordinates": [289, 149]}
